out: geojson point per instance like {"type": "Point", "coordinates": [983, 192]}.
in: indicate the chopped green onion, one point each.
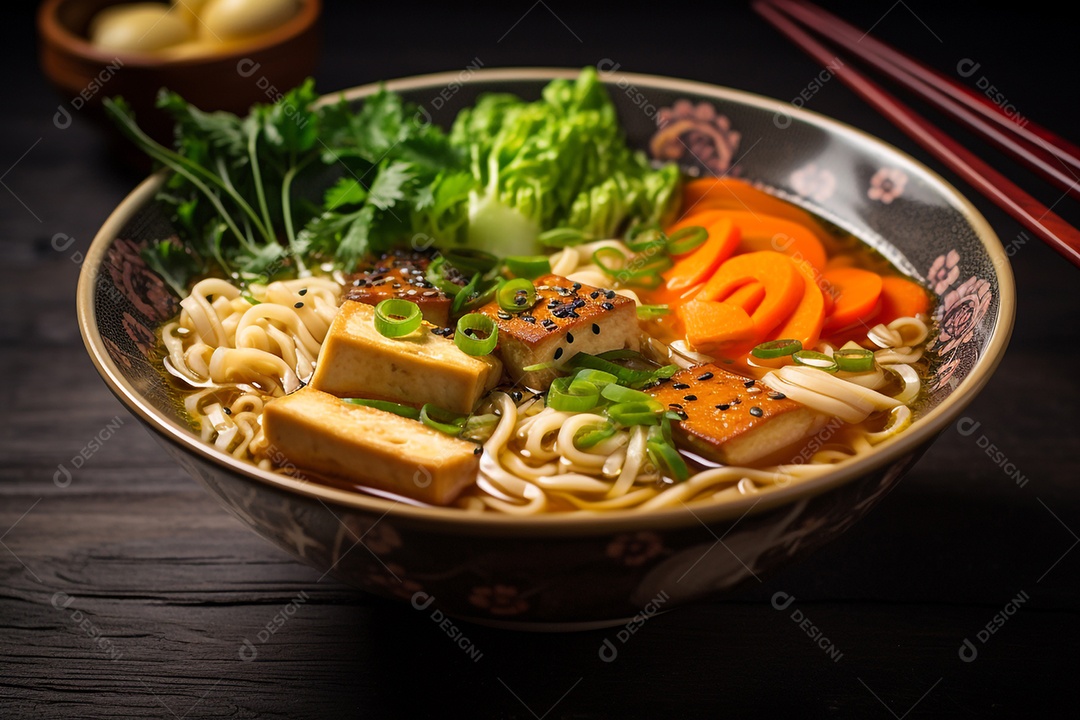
{"type": "Point", "coordinates": [562, 237]}
{"type": "Point", "coordinates": [479, 428]}
{"type": "Point", "coordinates": [599, 378]}
{"type": "Point", "coordinates": [568, 394]}
{"type": "Point", "coordinates": [626, 376]}
{"type": "Point", "coordinates": [604, 255]}
{"type": "Point", "coordinates": [814, 359]}
{"type": "Point", "coordinates": [643, 279]}
{"type": "Point", "coordinates": [621, 354]}
{"type": "Point", "coordinates": [538, 367]}
{"type": "Point", "coordinates": [396, 317]}
{"type": "Point", "coordinates": [464, 294]}
{"type": "Point", "coordinates": [468, 260]}
{"type": "Point", "coordinates": [620, 394]}
{"type": "Point", "coordinates": [667, 460]}
{"type": "Point", "coordinates": [251, 300]}
{"type": "Point", "coordinates": [592, 438]}
{"type": "Point", "coordinates": [529, 267]}
{"type": "Point", "coordinates": [436, 276]}
{"type": "Point", "coordinates": [442, 420]}
{"type": "Point", "coordinates": [776, 348]}
{"type": "Point", "coordinates": [516, 295]}
{"type": "Point", "coordinates": [391, 407]}
{"type": "Point", "coordinates": [687, 239]}
{"type": "Point", "coordinates": [854, 359]}
{"type": "Point", "coordinates": [649, 312]}
{"type": "Point", "coordinates": [645, 412]}
{"type": "Point", "coordinates": [476, 334]}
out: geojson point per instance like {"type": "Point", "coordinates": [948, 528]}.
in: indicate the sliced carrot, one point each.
{"type": "Point", "coordinates": [768, 232]}
{"type": "Point", "coordinates": [808, 318]}
{"type": "Point", "coordinates": [856, 293]}
{"type": "Point", "coordinates": [734, 194]}
{"type": "Point", "coordinates": [696, 267]}
{"type": "Point", "coordinates": [783, 286]}
{"type": "Point", "coordinates": [901, 297]}
{"type": "Point", "coordinates": [717, 328]}
{"type": "Point", "coordinates": [748, 297]}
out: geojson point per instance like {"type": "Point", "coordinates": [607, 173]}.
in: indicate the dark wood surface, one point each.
{"type": "Point", "coordinates": [127, 592]}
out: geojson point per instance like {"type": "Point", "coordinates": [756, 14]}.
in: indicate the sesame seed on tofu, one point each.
{"type": "Point", "coordinates": [567, 318]}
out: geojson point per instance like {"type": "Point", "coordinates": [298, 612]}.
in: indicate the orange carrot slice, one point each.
{"type": "Point", "coordinates": [748, 297]}
{"type": "Point", "coordinates": [808, 318]}
{"type": "Point", "coordinates": [901, 297]}
{"type": "Point", "coordinates": [696, 267]}
{"type": "Point", "coordinates": [717, 328]}
{"type": "Point", "coordinates": [856, 293]}
{"type": "Point", "coordinates": [768, 232]}
{"type": "Point", "coordinates": [775, 271]}
{"type": "Point", "coordinates": [733, 194]}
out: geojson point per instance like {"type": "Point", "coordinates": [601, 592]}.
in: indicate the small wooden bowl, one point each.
{"type": "Point", "coordinates": [232, 80]}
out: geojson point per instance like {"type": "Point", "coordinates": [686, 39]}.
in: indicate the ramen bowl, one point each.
{"type": "Point", "coordinates": [575, 570]}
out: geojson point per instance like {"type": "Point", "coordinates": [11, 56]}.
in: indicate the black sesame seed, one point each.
{"type": "Point", "coordinates": [227, 411]}
{"type": "Point", "coordinates": [677, 406]}
{"type": "Point", "coordinates": [595, 329]}
{"type": "Point", "coordinates": [607, 306]}
{"type": "Point", "coordinates": [689, 398]}
{"type": "Point", "coordinates": [756, 411]}
{"type": "Point", "coordinates": [723, 406]}
{"type": "Point", "coordinates": [594, 294]}
{"type": "Point", "coordinates": [682, 415]}
{"type": "Point", "coordinates": [705, 376]}
{"type": "Point", "coordinates": [737, 401]}
{"type": "Point", "coordinates": [569, 337]}
{"type": "Point", "coordinates": [777, 396]}
{"type": "Point", "coordinates": [577, 286]}
{"type": "Point", "coordinates": [558, 353]}
{"type": "Point", "coordinates": [477, 450]}
{"type": "Point", "coordinates": [748, 383]}
{"type": "Point", "coordinates": [529, 319]}
{"type": "Point", "coordinates": [610, 294]}
{"type": "Point", "coordinates": [298, 305]}
{"type": "Point", "coordinates": [360, 282]}
{"type": "Point", "coordinates": [303, 292]}
{"type": "Point", "coordinates": [515, 395]}
{"type": "Point", "coordinates": [680, 386]}
{"type": "Point", "coordinates": [504, 316]}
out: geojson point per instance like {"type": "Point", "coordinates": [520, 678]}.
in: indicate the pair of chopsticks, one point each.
{"type": "Point", "coordinates": [1047, 154]}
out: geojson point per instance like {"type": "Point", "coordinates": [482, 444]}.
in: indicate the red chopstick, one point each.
{"type": "Point", "coordinates": [1023, 207]}
{"type": "Point", "coordinates": [1054, 158]}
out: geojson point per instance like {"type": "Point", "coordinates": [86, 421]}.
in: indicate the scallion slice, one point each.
{"type": "Point", "coordinates": [396, 317]}
{"type": "Point", "coordinates": [609, 259]}
{"type": "Point", "coordinates": [687, 239]}
{"type": "Point", "coordinates": [562, 237]}
{"type": "Point", "coordinates": [776, 348]}
{"type": "Point", "coordinates": [667, 460]}
{"type": "Point", "coordinates": [650, 312]}
{"type": "Point", "coordinates": [476, 334]}
{"type": "Point", "coordinates": [599, 378]}
{"type": "Point", "coordinates": [814, 359]}
{"type": "Point", "coordinates": [595, 436]}
{"type": "Point", "coordinates": [468, 260]}
{"type": "Point", "coordinates": [619, 394]}
{"type": "Point", "coordinates": [442, 420]}
{"type": "Point", "coordinates": [386, 406]}
{"type": "Point", "coordinates": [645, 412]}
{"type": "Point", "coordinates": [516, 296]}
{"type": "Point", "coordinates": [855, 360]}
{"type": "Point", "coordinates": [529, 267]}
{"type": "Point", "coordinates": [568, 394]}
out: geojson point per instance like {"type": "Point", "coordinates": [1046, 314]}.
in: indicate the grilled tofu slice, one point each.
{"type": "Point", "coordinates": [568, 318]}
{"type": "Point", "coordinates": [732, 420]}
{"type": "Point", "coordinates": [400, 275]}
{"type": "Point", "coordinates": [315, 431]}
{"type": "Point", "coordinates": [424, 367]}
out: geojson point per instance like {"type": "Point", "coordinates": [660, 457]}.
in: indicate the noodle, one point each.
{"type": "Point", "coordinates": [239, 351]}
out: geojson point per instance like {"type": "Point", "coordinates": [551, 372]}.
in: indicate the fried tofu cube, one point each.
{"type": "Point", "coordinates": [568, 318]}
{"type": "Point", "coordinates": [315, 431]}
{"type": "Point", "coordinates": [423, 367]}
{"type": "Point", "coordinates": [731, 419]}
{"type": "Point", "coordinates": [400, 275]}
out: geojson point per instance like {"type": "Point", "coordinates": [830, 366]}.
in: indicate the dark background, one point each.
{"type": "Point", "coordinates": [174, 584]}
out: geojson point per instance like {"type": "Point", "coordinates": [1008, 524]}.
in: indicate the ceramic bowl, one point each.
{"type": "Point", "coordinates": [574, 570]}
{"type": "Point", "coordinates": [230, 80]}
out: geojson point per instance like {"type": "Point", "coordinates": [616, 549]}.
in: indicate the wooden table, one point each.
{"type": "Point", "coordinates": [126, 591]}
